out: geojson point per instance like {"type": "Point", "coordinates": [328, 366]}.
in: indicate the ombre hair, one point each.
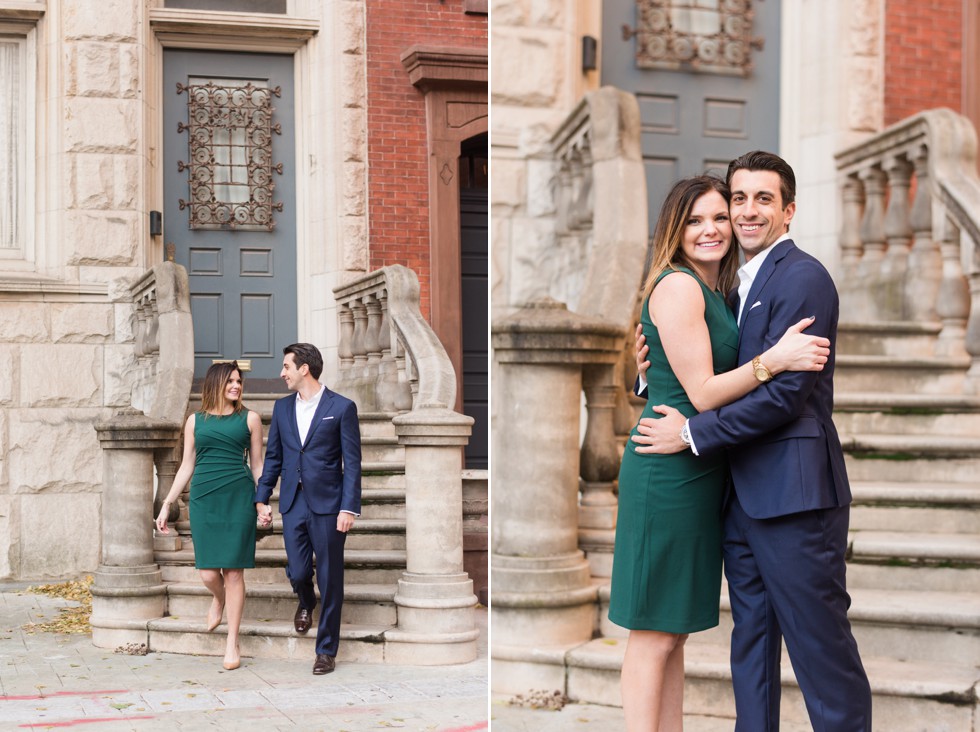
{"type": "Point", "coordinates": [213, 391]}
{"type": "Point", "coordinates": [668, 235]}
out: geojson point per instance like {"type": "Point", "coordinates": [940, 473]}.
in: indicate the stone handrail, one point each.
{"type": "Point", "coordinates": [164, 342]}
{"type": "Point", "coordinates": [900, 260]}
{"type": "Point", "coordinates": [390, 358]}
{"type": "Point", "coordinates": [600, 192]}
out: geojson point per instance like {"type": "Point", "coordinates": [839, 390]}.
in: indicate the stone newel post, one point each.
{"type": "Point", "coordinates": [128, 590]}
{"type": "Point", "coordinates": [435, 594]}
{"type": "Point", "coordinates": [541, 592]}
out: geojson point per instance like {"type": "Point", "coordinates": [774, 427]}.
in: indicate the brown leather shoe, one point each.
{"type": "Point", "coordinates": [302, 620]}
{"type": "Point", "coordinates": [323, 664]}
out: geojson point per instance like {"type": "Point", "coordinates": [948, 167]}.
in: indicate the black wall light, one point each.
{"type": "Point", "coordinates": [590, 47]}
{"type": "Point", "coordinates": [156, 223]}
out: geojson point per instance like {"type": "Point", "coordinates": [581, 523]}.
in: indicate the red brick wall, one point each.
{"type": "Point", "coordinates": [923, 56]}
{"type": "Point", "coordinates": [398, 185]}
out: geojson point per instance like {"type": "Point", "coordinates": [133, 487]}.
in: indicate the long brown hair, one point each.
{"type": "Point", "coordinates": [669, 232]}
{"type": "Point", "coordinates": [213, 391]}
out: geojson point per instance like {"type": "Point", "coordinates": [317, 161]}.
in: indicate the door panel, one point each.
{"type": "Point", "coordinates": [229, 208]}
{"type": "Point", "coordinates": [475, 269]}
{"type": "Point", "coordinates": [694, 121]}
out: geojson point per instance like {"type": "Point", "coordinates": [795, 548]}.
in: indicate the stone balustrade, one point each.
{"type": "Point", "coordinates": [554, 501]}
{"type": "Point", "coordinates": [128, 591]}
{"type": "Point", "coordinates": [910, 238]}
{"type": "Point", "coordinates": [392, 362]}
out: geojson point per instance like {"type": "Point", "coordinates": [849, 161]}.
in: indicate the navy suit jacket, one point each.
{"type": "Point", "coordinates": [786, 454]}
{"type": "Point", "coordinates": [328, 463]}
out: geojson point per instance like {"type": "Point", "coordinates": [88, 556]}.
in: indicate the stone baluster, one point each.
{"type": "Point", "coordinates": [953, 303]}
{"type": "Point", "coordinates": [345, 348]}
{"type": "Point", "coordinates": [153, 325]}
{"type": "Point", "coordinates": [167, 461]}
{"type": "Point", "coordinates": [890, 294]}
{"type": "Point", "coordinates": [384, 330]}
{"type": "Point", "coordinates": [372, 343]}
{"type": "Point", "coordinates": [359, 341]}
{"type": "Point", "coordinates": [972, 340]}
{"type": "Point", "coordinates": [851, 245]}
{"type": "Point", "coordinates": [541, 590]}
{"type": "Point", "coordinates": [873, 240]}
{"type": "Point", "coordinates": [140, 328]}
{"type": "Point", "coordinates": [925, 260]}
{"type": "Point", "coordinates": [564, 195]}
{"type": "Point", "coordinates": [600, 460]}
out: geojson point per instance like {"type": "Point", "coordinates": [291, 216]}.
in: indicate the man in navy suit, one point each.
{"type": "Point", "coordinates": [786, 515]}
{"type": "Point", "coordinates": [315, 448]}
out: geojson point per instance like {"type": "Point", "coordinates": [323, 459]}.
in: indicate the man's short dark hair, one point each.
{"type": "Point", "coordinates": [306, 353]}
{"type": "Point", "coordinates": [761, 160]}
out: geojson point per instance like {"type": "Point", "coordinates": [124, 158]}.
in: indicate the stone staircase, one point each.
{"type": "Point", "coordinates": [913, 459]}
{"type": "Point", "coordinates": [375, 559]}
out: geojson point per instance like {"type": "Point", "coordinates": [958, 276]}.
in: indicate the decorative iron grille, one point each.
{"type": "Point", "coordinates": [701, 35]}
{"type": "Point", "coordinates": [230, 139]}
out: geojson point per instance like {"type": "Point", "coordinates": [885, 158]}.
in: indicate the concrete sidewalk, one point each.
{"type": "Point", "coordinates": [50, 681]}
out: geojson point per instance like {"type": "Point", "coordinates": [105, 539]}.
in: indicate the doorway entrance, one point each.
{"type": "Point", "coordinates": [230, 203]}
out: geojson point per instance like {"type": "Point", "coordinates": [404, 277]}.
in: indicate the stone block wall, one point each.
{"type": "Point", "coordinates": [65, 338]}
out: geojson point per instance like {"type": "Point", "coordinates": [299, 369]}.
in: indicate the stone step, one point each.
{"type": "Point", "coordinates": [916, 507]}
{"type": "Point", "coordinates": [908, 560]}
{"type": "Point", "coordinates": [381, 450]}
{"type": "Point", "coordinates": [937, 550]}
{"type": "Point", "coordinates": [265, 639]}
{"type": "Point", "coordinates": [895, 458]}
{"type": "Point", "coordinates": [907, 625]}
{"type": "Point", "coordinates": [373, 534]}
{"type": "Point", "coordinates": [887, 338]}
{"type": "Point", "coordinates": [363, 604]}
{"type": "Point", "coordinates": [907, 697]}
{"type": "Point", "coordinates": [360, 566]}
{"type": "Point", "coordinates": [923, 375]}
{"type": "Point", "coordinates": [862, 413]}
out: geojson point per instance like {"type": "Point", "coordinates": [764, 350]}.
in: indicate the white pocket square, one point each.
{"type": "Point", "coordinates": [757, 304]}
{"type": "Point", "coordinates": [326, 418]}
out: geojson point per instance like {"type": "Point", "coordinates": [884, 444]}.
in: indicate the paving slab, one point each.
{"type": "Point", "coordinates": [52, 681]}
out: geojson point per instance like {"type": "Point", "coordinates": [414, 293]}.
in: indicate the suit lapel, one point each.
{"type": "Point", "coordinates": [759, 283]}
{"type": "Point", "coordinates": [293, 427]}
{"type": "Point", "coordinates": [319, 414]}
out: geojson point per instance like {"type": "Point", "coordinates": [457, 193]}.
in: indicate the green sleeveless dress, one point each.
{"type": "Point", "coordinates": [222, 496]}
{"type": "Point", "coordinates": [666, 572]}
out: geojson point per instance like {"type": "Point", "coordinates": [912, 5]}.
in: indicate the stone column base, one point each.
{"type": "Point", "coordinates": [436, 625]}
{"type": "Point", "coordinates": [124, 599]}
{"type": "Point", "coordinates": [542, 601]}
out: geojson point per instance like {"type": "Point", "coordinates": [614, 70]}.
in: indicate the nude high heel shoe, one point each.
{"type": "Point", "coordinates": [232, 665]}
{"type": "Point", "coordinates": [212, 624]}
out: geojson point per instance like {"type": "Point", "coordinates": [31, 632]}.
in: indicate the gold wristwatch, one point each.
{"type": "Point", "coordinates": [760, 371]}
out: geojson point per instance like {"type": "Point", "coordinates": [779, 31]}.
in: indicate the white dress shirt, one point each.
{"type": "Point", "coordinates": [305, 409]}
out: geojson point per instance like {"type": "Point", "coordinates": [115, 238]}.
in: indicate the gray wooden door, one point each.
{"type": "Point", "coordinates": [695, 117]}
{"type": "Point", "coordinates": [230, 203]}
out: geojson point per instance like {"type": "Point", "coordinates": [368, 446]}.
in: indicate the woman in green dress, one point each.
{"type": "Point", "coordinates": [666, 578]}
{"type": "Point", "coordinates": [223, 453]}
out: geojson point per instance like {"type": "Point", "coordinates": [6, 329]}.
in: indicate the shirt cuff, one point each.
{"type": "Point", "coordinates": [355, 515]}
{"type": "Point", "coordinates": [687, 429]}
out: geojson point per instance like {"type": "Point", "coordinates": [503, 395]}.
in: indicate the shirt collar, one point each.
{"type": "Point", "coordinates": [750, 269]}
{"type": "Point", "coordinates": [315, 399]}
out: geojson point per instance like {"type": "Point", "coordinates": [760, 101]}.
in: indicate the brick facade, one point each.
{"type": "Point", "coordinates": [923, 56]}
{"type": "Point", "coordinates": [398, 199]}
